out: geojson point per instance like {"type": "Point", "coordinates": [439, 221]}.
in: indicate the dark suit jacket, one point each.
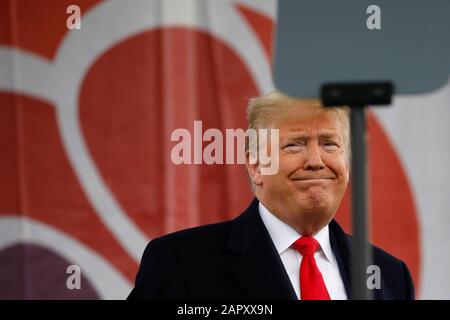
{"type": "Point", "coordinates": [237, 260]}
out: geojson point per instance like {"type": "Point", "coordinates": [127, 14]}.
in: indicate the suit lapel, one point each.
{"type": "Point", "coordinates": [254, 260]}
{"type": "Point", "coordinates": [341, 244]}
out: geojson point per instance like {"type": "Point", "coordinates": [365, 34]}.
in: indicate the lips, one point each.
{"type": "Point", "coordinates": [312, 179]}
{"type": "Point", "coordinates": [311, 182]}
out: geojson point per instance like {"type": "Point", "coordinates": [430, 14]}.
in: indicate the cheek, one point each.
{"type": "Point", "coordinates": [278, 182]}
{"type": "Point", "coordinates": [338, 164]}
{"type": "Point", "coordinates": [270, 181]}
{"type": "Point", "coordinates": [289, 163]}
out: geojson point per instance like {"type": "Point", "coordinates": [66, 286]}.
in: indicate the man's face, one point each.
{"type": "Point", "coordinates": [313, 169]}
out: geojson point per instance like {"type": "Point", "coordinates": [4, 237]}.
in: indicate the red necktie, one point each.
{"type": "Point", "coordinates": [312, 286]}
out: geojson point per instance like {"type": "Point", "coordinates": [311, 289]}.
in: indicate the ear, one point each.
{"type": "Point", "coordinates": [253, 168]}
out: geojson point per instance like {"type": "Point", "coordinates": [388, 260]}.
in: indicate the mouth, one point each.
{"type": "Point", "coordinates": [313, 179]}
{"type": "Point", "coordinates": [311, 182]}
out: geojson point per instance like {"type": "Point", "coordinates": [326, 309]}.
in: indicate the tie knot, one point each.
{"type": "Point", "coordinates": [306, 245]}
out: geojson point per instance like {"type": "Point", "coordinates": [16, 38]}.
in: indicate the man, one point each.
{"type": "Point", "coordinates": [286, 245]}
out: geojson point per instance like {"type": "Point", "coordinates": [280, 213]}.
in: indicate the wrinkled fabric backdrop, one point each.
{"type": "Point", "coordinates": [86, 117]}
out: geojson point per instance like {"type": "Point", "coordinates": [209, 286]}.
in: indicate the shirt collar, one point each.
{"type": "Point", "coordinates": [283, 235]}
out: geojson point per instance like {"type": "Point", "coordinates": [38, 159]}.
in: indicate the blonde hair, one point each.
{"type": "Point", "coordinates": [261, 112]}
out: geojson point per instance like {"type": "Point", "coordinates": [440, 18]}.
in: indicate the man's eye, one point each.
{"type": "Point", "coordinates": [293, 147]}
{"type": "Point", "coordinates": [330, 145]}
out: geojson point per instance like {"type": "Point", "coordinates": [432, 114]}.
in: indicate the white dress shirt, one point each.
{"type": "Point", "coordinates": [283, 236]}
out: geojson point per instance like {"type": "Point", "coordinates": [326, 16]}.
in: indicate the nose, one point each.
{"type": "Point", "coordinates": [313, 158]}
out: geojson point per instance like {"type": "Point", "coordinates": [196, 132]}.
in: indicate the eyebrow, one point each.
{"type": "Point", "coordinates": [302, 135]}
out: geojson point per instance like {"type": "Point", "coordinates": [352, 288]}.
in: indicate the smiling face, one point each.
{"type": "Point", "coordinates": [313, 168]}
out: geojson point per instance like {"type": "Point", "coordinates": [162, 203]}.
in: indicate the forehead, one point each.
{"type": "Point", "coordinates": [309, 120]}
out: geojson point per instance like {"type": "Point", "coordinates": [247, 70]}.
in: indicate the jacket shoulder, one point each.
{"type": "Point", "coordinates": [167, 258]}
{"type": "Point", "coordinates": [396, 278]}
{"type": "Point", "coordinates": [202, 235]}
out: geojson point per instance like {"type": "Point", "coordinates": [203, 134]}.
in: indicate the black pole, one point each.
{"type": "Point", "coordinates": [357, 96]}
{"type": "Point", "coordinates": [361, 250]}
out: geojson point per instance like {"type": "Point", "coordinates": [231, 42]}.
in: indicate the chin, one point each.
{"type": "Point", "coordinates": [315, 202]}
{"type": "Point", "coordinates": [318, 210]}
